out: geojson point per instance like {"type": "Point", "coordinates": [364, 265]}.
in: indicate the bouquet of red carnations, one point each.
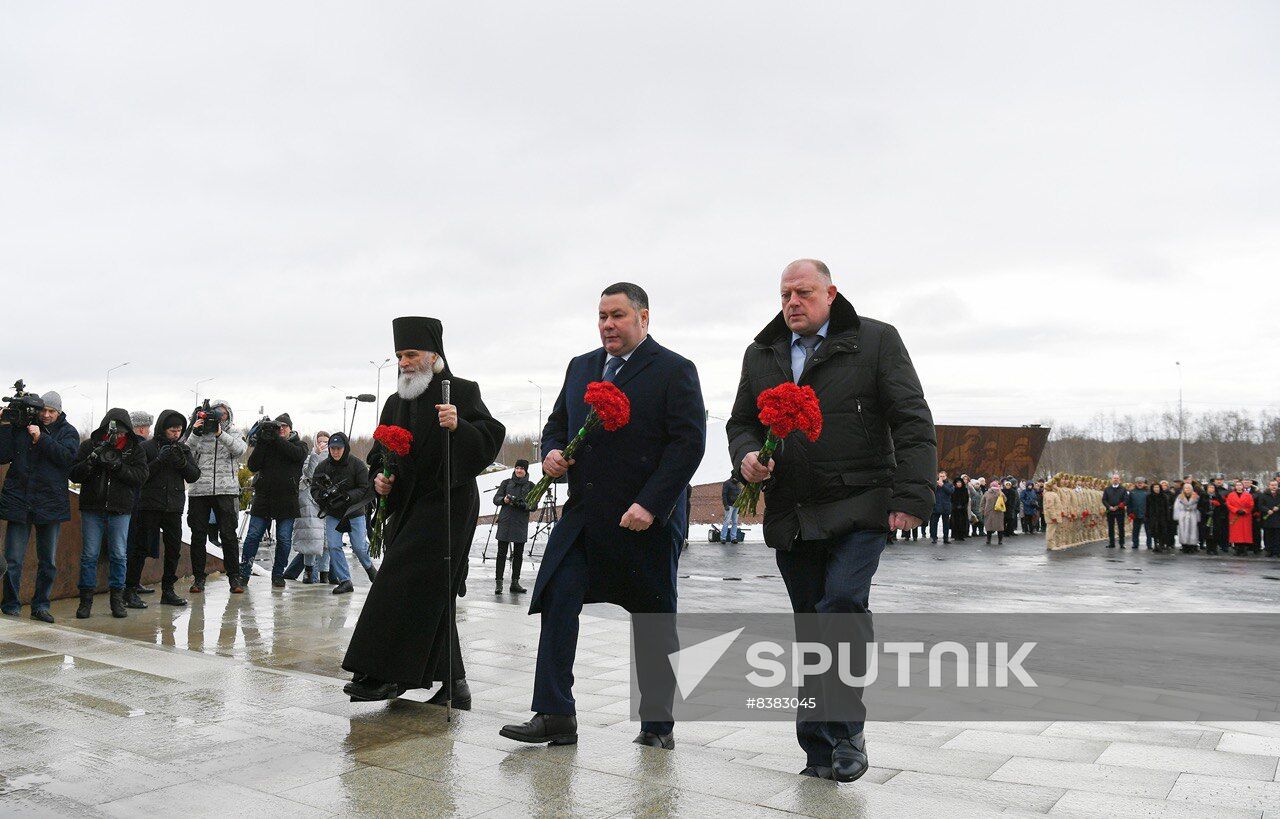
{"type": "Point", "coordinates": [396, 441]}
{"type": "Point", "coordinates": [610, 408]}
{"type": "Point", "coordinates": [784, 409]}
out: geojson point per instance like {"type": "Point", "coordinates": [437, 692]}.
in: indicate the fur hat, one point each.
{"type": "Point", "coordinates": [139, 418]}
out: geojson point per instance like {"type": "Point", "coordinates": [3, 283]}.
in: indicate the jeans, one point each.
{"type": "Point", "coordinates": [1138, 525]}
{"type": "Point", "coordinates": [830, 577]}
{"type": "Point", "coordinates": [945, 518]}
{"type": "Point", "coordinates": [359, 546]}
{"type": "Point", "coordinates": [253, 538]}
{"type": "Point", "coordinates": [15, 552]}
{"type": "Point", "coordinates": [729, 531]}
{"type": "Point", "coordinates": [93, 527]}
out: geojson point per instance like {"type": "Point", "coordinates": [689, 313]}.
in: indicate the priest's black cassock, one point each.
{"type": "Point", "coordinates": [401, 634]}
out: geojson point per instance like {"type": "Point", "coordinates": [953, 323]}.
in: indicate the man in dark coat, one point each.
{"type": "Point", "coordinates": [1116, 499]}
{"type": "Point", "coordinates": [619, 537]}
{"type": "Point", "coordinates": [513, 524]}
{"type": "Point", "coordinates": [110, 467]}
{"type": "Point", "coordinates": [831, 503]}
{"type": "Point", "coordinates": [344, 510]}
{"type": "Point", "coordinates": [276, 461]}
{"type": "Point", "coordinates": [1267, 506]}
{"type": "Point", "coordinates": [161, 502]}
{"type": "Point", "coordinates": [35, 495]}
{"type": "Point", "coordinates": [406, 636]}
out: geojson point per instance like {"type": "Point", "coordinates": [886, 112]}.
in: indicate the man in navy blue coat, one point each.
{"type": "Point", "coordinates": [619, 537]}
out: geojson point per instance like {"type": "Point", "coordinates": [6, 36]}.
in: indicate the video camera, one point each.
{"type": "Point", "coordinates": [213, 417]}
{"type": "Point", "coordinates": [105, 454]}
{"type": "Point", "coordinates": [333, 500]}
{"type": "Point", "coordinates": [23, 408]}
{"type": "Point", "coordinates": [266, 428]}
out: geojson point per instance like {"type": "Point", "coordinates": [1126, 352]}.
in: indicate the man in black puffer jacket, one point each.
{"type": "Point", "coordinates": [345, 513]}
{"type": "Point", "coordinates": [277, 462]}
{"type": "Point", "coordinates": [832, 502]}
{"type": "Point", "coordinates": [109, 466]}
{"type": "Point", "coordinates": [160, 506]}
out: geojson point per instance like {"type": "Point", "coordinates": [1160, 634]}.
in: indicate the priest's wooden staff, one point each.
{"type": "Point", "coordinates": [448, 561]}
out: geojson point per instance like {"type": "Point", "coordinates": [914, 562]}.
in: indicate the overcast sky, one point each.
{"type": "Point", "coordinates": [1052, 201]}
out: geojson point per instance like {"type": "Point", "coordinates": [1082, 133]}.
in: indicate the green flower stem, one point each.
{"type": "Point", "coordinates": [535, 495]}
{"type": "Point", "coordinates": [749, 498]}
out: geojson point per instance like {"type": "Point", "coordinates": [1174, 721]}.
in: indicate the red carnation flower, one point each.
{"type": "Point", "coordinates": [396, 439]}
{"type": "Point", "coordinates": [789, 407]}
{"type": "Point", "coordinates": [610, 404]}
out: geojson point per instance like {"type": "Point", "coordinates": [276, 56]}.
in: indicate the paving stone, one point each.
{"type": "Point", "coordinates": [1036, 798]}
{"type": "Point", "coordinates": [1086, 804]}
{"type": "Point", "coordinates": [822, 798]}
{"type": "Point", "coordinates": [1191, 760]}
{"type": "Point", "coordinates": [1086, 776]}
{"type": "Point", "coordinates": [210, 798]}
{"type": "Point", "coordinates": [1249, 744]}
{"type": "Point", "coordinates": [1243, 794]}
{"type": "Point", "coordinates": [1070, 750]}
{"type": "Point", "coordinates": [1142, 732]}
{"type": "Point", "coordinates": [385, 793]}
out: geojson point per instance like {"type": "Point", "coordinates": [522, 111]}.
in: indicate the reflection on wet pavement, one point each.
{"type": "Point", "coordinates": [234, 705]}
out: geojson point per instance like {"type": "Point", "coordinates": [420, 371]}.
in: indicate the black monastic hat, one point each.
{"type": "Point", "coordinates": [418, 333]}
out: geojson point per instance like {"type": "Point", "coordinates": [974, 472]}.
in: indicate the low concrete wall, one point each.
{"type": "Point", "coordinates": [68, 560]}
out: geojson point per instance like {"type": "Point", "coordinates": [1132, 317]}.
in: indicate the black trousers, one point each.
{"type": "Point", "coordinates": [517, 556]}
{"type": "Point", "coordinates": [151, 526]}
{"type": "Point", "coordinates": [1114, 520]}
{"type": "Point", "coordinates": [226, 514]}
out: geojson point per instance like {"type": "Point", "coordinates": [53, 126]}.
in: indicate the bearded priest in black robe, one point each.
{"type": "Point", "coordinates": [403, 636]}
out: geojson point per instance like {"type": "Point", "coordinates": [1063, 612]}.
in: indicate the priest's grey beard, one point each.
{"type": "Point", "coordinates": [411, 385]}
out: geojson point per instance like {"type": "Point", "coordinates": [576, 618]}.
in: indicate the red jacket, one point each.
{"type": "Point", "coordinates": [1240, 517]}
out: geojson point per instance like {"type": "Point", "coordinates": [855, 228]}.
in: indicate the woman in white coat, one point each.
{"type": "Point", "coordinates": [310, 559]}
{"type": "Point", "coordinates": [1186, 515]}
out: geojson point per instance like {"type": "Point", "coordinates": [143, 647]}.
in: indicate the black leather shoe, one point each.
{"type": "Point", "coordinates": [849, 759]}
{"type": "Point", "coordinates": [371, 690]}
{"type": "Point", "coordinates": [666, 742]}
{"type": "Point", "coordinates": [554, 729]}
{"type": "Point", "coordinates": [132, 600]}
{"type": "Point", "coordinates": [344, 587]}
{"type": "Point", "coordinates": [277, 582]}
{"type": "Point", "coordinates": [516, 588]}
{"type": "Point", "coordinates": [461, 696]}
{"type": "Point", "coordinates": [42, 615]}
{"type": "Point", "coordinates": [170, 598]}
{"type": "Point", "coordinates": [143, 590]}
{"type": "Point", "coordinates": [817, 772]}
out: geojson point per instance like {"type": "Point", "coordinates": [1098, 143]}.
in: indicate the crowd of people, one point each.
{"type": "Point", "coordinates": [139, 473]}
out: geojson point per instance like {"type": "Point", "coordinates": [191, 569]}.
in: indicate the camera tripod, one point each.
{"type": "Point", "coordinates": [547, 518]}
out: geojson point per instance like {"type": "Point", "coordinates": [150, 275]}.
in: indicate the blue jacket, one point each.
{"type": "Point", "coordinates": [1030, 501]}
{"type": "Point", "coordinates": [942, 498]}
{"type": "Point", "coordinates": [35, 488]}
{"type": "Point", "coordinates": [1138, 502]}
{"type": "Point", "coordinates": [650, 461]}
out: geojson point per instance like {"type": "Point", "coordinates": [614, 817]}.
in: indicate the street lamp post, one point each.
{"type": "Point", "coordinates": [379, 392]}
{"type": "Point", "coordinates": [109, 371]}
{"type": "Point", "coordinates": [538, 440]}
{"type": "Point", "coordinates": [1181, 462]}
{"type": "Point", "coordinates": [197, 389]}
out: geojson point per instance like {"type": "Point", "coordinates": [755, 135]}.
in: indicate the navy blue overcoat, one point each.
{"type": "Point", "coordinates": [650, 461]}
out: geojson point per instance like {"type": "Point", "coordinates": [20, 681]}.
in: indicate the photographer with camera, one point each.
{"type": "Point", "coordinates": [277, 459]}
{"type": "Point", "coordinates": [340, 485]}
{"type": "Point", "coordinates": [216, 446]}
{"type": "Point", "coordinates": [109, 467]}
{"type": "Point", "coordinates": [38, 445]}
{"type": "Point", "coordinates": [163, 498]}
{"type": "Point", "coordinates": [513, 524]}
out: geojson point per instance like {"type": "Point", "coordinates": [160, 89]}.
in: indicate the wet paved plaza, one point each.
{"type": "Point", "coordinates": [233, 706]}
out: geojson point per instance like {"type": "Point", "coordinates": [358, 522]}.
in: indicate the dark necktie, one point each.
{"type": "Point", "coordinates": [807, 345]}
{"type": "Point", "coordinates": [611, 368]}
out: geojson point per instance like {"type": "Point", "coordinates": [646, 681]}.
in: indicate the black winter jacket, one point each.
{"type": "Point", "coordinates": [350, 474]}
{"type": "Point", "coordinates": [878, 451]}
{"type": "Point", "coordinates": [277, 463]}
{"type": "Point", "coordinates": [35, 487]}
{"type": "Point", "coordinates": [110, 489]}
{"type": "Point", "coordinates": [1267, 506]}
{"type": "Point", "coordinates": [1113, 496]}
{"type": "Point", "coordinates": [171, 466]}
